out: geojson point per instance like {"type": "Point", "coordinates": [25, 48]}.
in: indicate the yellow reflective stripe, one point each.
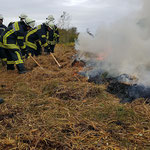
{"type": "Point", "coordinates": [38, 27]}
{"type": "Point", "coordinates": [6, 35]}
{"type": "Point", "coordinates": [10, 62]}
{"type": "Point", "coordinates": [47, 35]}
{"type": "Point", "coordinates": [2, 28]}
{"type": "Point", "coordinates": [16, 26]}
{"type": "Point", "coordinates": [19, 61]}
{"type": "Point", "coordinates": [1, 45]}
{"type": "Point", "coordinates": [20, 37]}
{"type": "Point", "coordinates": [4, 59]}
{"type": "Point", "coordinates": [43, 36]}
{"type": "Point", "coordinates": [46, 44]}
{"type": "Point", "coordinates": [32, 45]}
{"type": "Point", "coordinates": [29, 33]}
{"type": "Point", "coordinates": [23, 47]}
{"type": "Point", "coordinates": [11, 46]}
{"type": "Point", "coordinates": [51, 42]}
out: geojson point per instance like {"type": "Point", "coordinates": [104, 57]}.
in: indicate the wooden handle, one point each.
{"type": "Point", "coordinates": [35, 61]}
{"type": "Point", "coordinates": [55, 60]}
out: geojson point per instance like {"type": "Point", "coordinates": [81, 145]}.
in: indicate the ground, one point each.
{"type": "Point", "coordinates": [55, 108]}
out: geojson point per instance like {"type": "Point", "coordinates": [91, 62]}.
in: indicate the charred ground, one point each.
{"type": "Point", "coordinates": [59, 109]}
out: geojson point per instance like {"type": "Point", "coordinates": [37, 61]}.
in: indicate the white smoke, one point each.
{"type": "Point", "coordinates": [126, 44]}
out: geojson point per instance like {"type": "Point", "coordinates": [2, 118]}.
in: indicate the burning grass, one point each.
{"type": "Point", "coordinates": [58, 109]}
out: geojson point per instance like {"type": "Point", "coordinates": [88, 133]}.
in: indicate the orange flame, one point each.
{"type": "Point", "coordinates": [101, 56]}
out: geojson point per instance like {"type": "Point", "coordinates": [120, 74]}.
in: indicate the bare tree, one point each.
{"type": "Point", "coordinates": [64, 21]}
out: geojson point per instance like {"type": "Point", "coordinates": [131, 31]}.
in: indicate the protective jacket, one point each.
{"type": "Point", "coordinates": [37, 34]}
{"type": "Point", "coordinates": [10, 24]}
{"type": "Point", "coordinates": [13, 36]}
{"type": "Point", "coordinates": [13, 41]}
{"type": "Point", "coordinates": [53, 36]}
{"type": "Point", "coordinates": [2, 28]}
{"type": "Point", "coordinates": [2, 52]}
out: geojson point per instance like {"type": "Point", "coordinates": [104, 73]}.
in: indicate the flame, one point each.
{"type": "Point", "coordinates": [79, 66]}
{"type": "Point", "coordinates": [101, 56]}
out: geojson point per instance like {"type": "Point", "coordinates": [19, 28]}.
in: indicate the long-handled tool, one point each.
{"type": "Point", "coordinates": [56, 60]}
{"type": "Point", "coordinates": [36, 61]}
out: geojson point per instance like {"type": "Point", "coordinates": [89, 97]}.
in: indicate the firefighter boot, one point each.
{"type": "Point", "coordinates": [21, 68]}
{"type": "Point", "coordinates": [1, 101]}
{"type": "Point", "coordinates": [10, 67]}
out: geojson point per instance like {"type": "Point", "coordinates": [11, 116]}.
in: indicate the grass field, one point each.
{"type": "Point", "coordinates": [56, 109]}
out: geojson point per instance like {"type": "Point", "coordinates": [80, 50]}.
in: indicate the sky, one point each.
{"type": "Point", "coordinates": [84, 13]}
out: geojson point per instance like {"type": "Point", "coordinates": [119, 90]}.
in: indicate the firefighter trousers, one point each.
{"type": "Point", "coordinates": [3, 54]}
{"type": "Point", "coordinates": [14, 56]}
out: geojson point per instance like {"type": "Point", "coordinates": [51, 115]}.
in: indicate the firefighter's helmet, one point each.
{"type": "Point", "coordinates": [50, 18]}
{"type": "Point", "coordinates": [51, 25]}
{"type": "Point", "coordinates": [29, 22]}
{"type": "Point", "coordinates": [23, 16]}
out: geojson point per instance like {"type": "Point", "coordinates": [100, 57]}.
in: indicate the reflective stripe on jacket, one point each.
{"type": "Point", "coordinates": [53, 36]}
{"type": "Point", "coordinates": [37, 34]}
{"type": "Point", "coordinates": [13, 36]}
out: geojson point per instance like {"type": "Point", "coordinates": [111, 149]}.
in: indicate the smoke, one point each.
{"type": "Point", "coordinates": [125, 44]}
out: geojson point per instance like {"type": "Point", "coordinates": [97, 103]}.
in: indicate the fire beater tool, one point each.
{"type": "Point", "coordinates": [56, 61]}
{"type": "Point", "coordinates": [36, 61]}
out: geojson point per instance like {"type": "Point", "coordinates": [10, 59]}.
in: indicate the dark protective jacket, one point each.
{"type": "Point", "coordinates": [53, 36]}
{"type": "Point", "coordinates": [37, 34]}
{"type": "Point", "coordinates": [2, 28]}
{"type": "Point", "coordinates": [10, 24]}
{"type": "Point", "coordinates": [13, 36]}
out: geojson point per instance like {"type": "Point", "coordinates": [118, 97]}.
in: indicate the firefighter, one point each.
{"type": "Point", "coordinates": [37, 34]}
{"type": "Point", "coordinates": [2, 51]}
{"type": "Point", "coordinates": [22, 18]}
{"type": "Point", "coordinates": [13, 41]}
{"type": "Point", "coordinates": [52, 35]}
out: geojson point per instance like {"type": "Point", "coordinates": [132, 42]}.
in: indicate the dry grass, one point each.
{"type": "Point", "coordinates": [57, 109]}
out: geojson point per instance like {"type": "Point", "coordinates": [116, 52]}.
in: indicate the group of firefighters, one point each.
{"type": "Point", "coordinates": [22, 39]}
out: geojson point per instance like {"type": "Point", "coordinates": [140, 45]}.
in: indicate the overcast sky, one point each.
{"type": "Point", "coordinates": [84, 13]}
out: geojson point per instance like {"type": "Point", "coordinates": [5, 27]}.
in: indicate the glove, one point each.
{"type": "Point", "coordinates": [52, 51]}
{"type": "Point", "coordinates": [45, 49]}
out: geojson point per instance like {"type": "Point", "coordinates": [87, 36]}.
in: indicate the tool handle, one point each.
{"type": "Point", "coordinates": [55, 60]}
{"type": "Point", "coordinates": [35, 61]}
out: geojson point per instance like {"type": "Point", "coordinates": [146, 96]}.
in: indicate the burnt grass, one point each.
{"type": "Point", "coordinates": [56, 108]}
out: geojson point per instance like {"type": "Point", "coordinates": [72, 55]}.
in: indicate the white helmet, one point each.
{"type": "Point", "coordinates": [50, 24]}
{"type": "Point", "coordinates": [29, 22]}
{"type": "Point", "coordinates": [23, 16]}
{"type": "Point", "coordinates": [50, 18]}
{"type": "Point", "coordinates": [1, 17]}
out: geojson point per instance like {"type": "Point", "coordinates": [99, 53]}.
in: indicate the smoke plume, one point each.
{"type": "Point", "coordinates": [125, 45]}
